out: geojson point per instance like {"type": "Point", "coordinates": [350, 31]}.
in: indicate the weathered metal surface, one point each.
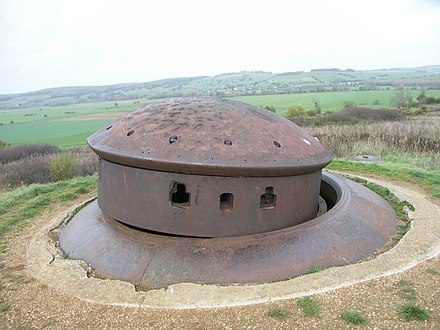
{"type": "Point", "coordinates": [207, 136]}
{"type": "Point", "coordinates": [358, 224]}
{"type": "Point", "coordinates": [143, 198]}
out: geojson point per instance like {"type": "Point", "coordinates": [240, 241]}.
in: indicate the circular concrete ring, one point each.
{"type": "Point", "coordinates": [46, 264]}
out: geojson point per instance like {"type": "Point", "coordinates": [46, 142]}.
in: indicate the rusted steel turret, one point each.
{"type": "Point", "coordinates": [215, 191]}
{"type": "Point", "coordinates": [209, 168]}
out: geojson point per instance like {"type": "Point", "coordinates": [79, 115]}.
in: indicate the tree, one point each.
{"type": "Point", "coordinates": [402, 99]}
{"type": "Point", "coordinates": [296, 110]}
{"type": "Point", "coordinates": [317, 105]}
{"type": "Point", "coordinates": [349, 104]}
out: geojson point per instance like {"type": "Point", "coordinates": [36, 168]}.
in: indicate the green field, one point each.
{"type": "Point", "coordinates": [62, 125]}
{"type": "Point", "coordinates": [329, 101]}
{"type": "Point", "coordinates": [72, 124]}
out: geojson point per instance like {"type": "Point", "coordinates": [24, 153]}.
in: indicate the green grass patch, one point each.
{"type": "Point", "coordinates": [4, 308]}
{"type": "Point", "coordinates": [353, 317]}
{"type": "Point", "coordinates": [82, 190]}
{"type": "Point", "coordinates": [315, 269]}
{"type": "Point", "coordinates": [310, 306]}
{"type": "Point", "coordinates": [411, 311]}
{"type": "Point", "coordinates": [433, 271]}
{"type": "Point", "coordinates": [278, 313]}
{"type": "Point", "coordinates": [27, 202]}
{"type": "Point", "coordinates": [63, 133]}
{"type": "Point", "coordinates": [429, 180]}
{"type": "Point", "coordinates": [67, 196]}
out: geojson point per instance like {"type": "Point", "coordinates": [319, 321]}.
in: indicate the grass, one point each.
{"type": "Point", "coordinates": [329, 101]}
{"type": "Point", "coordinates": [278, 313]}
{"type": "Point", "coordinates": [4, 308]}
{"type": "Point", "coordinates": [407, 291]}
{"type": "Point", "coordinates": [65, 133]}
{"type": "Point", "coordinates": [315, 269]}
{"type": "Point", "coordinates": [433, 271]}
{"type": "Point", "coordinates": [310, 306]}
{"type": "Point", "coordinates": [24, 203]}
{"type": "Point", "coordinates": [399, 206]}
{"type": "Point", "coordinates": [427, 179]}
{"type": "Point", "coordinates": [411, 311]}
{"type": "Point", "coordinates": [353, 317]}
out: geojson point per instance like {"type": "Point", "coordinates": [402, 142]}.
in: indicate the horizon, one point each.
{"type": "Point", "coordinates": [108, 42]}
{"type": "Point", "coordinates": [224, 73]}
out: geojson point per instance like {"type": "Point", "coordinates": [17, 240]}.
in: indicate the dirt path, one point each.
{"type": "Point", "coordinates": [33, 304]}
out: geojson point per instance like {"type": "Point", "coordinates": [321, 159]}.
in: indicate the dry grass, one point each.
{"type": "Point", "coordinates": [43, 168]}
{"type": "Point", "coordinates": [416, 138]}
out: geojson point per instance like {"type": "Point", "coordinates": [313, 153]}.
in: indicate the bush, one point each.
{"type": "Point", "coordinates": [24, 172]}
{"type": "Point", "coordinates": [27, 150]}
{"type": "Point", "coordinates": [62, 167]}
{"type": "Point", "coordinates": [349, 104]}
{"type": "Point", "coordinates": [353, 116]}
{"type": "Point", "coordinates": [77, 161]}
{"type": "Point", "coordinates": [3, 144]}
{"type": "Point", "coordinates": [296, 110]}
{"type": "Point", "coordinates": [422, 110]}
{"type": "Point", "coordinates": [270, 108]}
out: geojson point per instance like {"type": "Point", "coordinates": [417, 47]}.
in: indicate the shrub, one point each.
{"type": "Point", "coordinates": [349, 116]}
{"type": "Point", "coordinates": [25, 171]}
{"type": "Point", "coordinates": [422, 110]}
{"type": "Point", "coordinates": [27, 150]}
{"type": "Point", "coordinates": [62, 167]}
{"type": "Point", "coordinates": [87, 161]}
{"type": "Point", "coordinates": [270, 108]}
{"type": "Point", "coordinates": [3, 144]}
{"type": "Point", "coordinates": [77, 161]}
{"type": "Point", "coordinates": [349, 104]}
{"type": "Point", "coordinates": [296, 110]}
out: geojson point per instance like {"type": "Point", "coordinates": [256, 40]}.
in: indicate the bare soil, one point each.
{"type": "Point", "coordinates": [27, 303]}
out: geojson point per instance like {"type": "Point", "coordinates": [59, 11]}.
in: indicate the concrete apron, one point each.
{"type": "Point", "coordinates": [45, 263]}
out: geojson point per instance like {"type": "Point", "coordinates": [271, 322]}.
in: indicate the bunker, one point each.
{"type": "Point", "coordinates": [214, 191]}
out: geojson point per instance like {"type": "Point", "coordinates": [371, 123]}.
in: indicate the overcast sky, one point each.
{"type": "Point", "coordinates": [49, 43]}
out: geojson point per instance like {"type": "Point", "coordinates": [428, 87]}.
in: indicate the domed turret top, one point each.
{"type": "Point", "coordinates": [208, 136]}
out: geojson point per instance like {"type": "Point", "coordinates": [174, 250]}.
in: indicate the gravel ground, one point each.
{"type": "Point", "coordinates": [27, 303]}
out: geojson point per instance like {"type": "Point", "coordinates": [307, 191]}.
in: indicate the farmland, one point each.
{"type": "Point", "coordinates": [329, 101]}
{"type": "Point", "coordinates": [71, 124]}
{"type": "Point", "coordinates": [244, 83]}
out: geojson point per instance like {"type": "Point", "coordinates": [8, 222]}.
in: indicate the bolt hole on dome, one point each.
{"type": "Point", "coordinates": [228, 142]}
{"type": "Point", "coordinates": [172, 139]}
{"type": "Point", "coordinates": [277, 144]}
